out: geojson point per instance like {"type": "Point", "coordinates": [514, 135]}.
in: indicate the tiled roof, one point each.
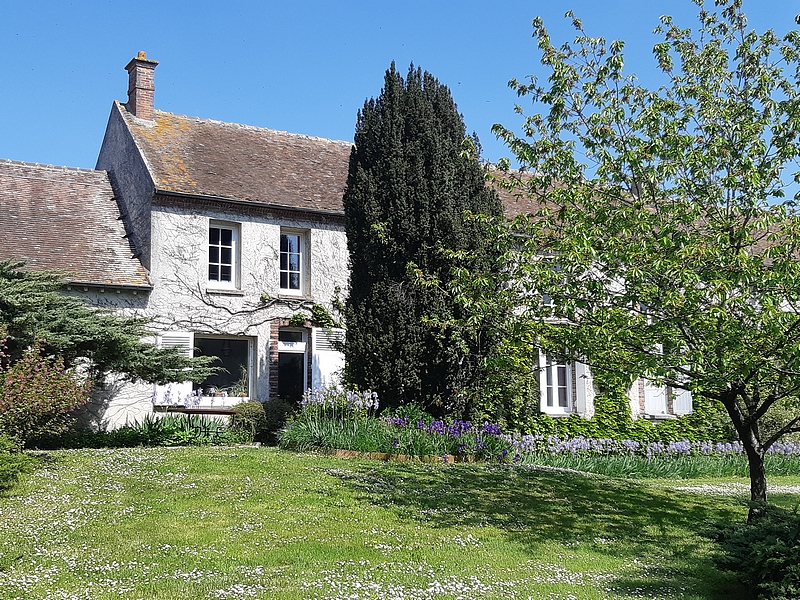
{"type": "Point", "coordinates": [61, 218]}
{"type": "Point", "coordinates": [203, 157]}
{"type": "Point", "coordinates": [239, 162]}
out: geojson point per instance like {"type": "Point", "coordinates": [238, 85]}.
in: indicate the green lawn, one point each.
{"type": "Point", "coordinates": [231, 523]}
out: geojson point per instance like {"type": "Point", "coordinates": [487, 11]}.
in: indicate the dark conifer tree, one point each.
{"type": "Point", "coordinates": [412, 176]}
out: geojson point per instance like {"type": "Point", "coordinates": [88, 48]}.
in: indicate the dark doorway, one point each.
{"type": "Point", "coordinates": [291, 376]}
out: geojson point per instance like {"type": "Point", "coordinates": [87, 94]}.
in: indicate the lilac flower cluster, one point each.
{"type": "Point", "coordinates": [539, 444]}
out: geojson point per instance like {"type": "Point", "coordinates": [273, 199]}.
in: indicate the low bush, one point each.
{"type": "Point", "coordinates": [13, 463]}
{"type": "Point", "coordinates": [249, 419]}
{"type": "Point", "coordinates": [765, 554]}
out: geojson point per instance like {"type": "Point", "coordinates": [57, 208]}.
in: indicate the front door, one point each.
{"type": "Point", "coordinates": [292, 364]}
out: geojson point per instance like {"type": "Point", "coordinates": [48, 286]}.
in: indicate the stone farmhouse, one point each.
{"type": "Point", "coordinates": [225, 236]}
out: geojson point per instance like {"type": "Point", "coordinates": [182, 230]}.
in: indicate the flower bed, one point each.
{"type": "Point", "coordinates": [334, 419]}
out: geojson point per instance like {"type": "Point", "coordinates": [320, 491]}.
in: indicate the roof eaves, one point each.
{"type": "Point", "coordinates": [251, 203]}
{"type": "Point", "coordinates": [141, 287]}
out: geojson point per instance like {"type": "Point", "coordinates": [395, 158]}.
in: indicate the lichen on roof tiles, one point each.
{"type": "Point", "coordinates": [67, 219]}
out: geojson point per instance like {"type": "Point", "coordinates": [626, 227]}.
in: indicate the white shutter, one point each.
{"type": "Point", "coordinates": [681, 401]}
{"type": "Point", "coordinates": [655, 398]}
{"type": "Point", "coordinates": [175, 393]}
{"type": "Point", "coordinates": [584, 386]}
{"type": "Point", "coordinates": [327, 363]}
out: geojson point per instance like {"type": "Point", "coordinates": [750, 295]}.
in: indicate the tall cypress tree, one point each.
{"type": "Point", "coordinates": [409, 184]}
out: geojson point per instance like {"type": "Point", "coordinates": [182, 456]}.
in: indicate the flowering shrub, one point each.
{"type": "Point", "coordinates": [37, 395]}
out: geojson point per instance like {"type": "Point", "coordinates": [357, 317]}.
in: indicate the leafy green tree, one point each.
{"type": "Point", "coordinates": [663, 236]}
{"type": "Point", "coordinates": [413, 173]}
{"type": "Point", "coordinates": [36, 313]}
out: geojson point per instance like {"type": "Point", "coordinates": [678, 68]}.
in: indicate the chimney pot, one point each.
{"type": "Point", "coordinates": [141, 86]}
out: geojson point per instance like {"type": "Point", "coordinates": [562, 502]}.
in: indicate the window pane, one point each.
{"type": "Point", "coordinates": [284, 262]}
{"type": "Point", "coordinates": [284, 243]}
{"type": "Point", "coordinates": [562, 375]}
{"type": "Point", "coordinates": [294, 262]}
{"type": "Point", "coordinates": [225, 273]}
{"type": "Point", "coordinates": [233, 358]}
{"type": "Point", "coordinates": [213, 235]}
{"type": "Point", "coordinates": [284, 280]}
{"type": "Point", "coordinates": [226, 256]}
{"type": "Point", "coordinates": [213, 254]}
{"type": "Point", "coordinates": [549, 396]}
{"type": "Point", "coordinates": [292, 243]}
{"type": "Point", "coordinates": [213, 272]}
{"type": "Point", "coordinates": [226, 236]}
{"type": "Point", "coordinates": [294, 281]}
{"type": "Point", "coordinates": [562, 397]}
{"type": "Point", "coordinates": [290, 336]}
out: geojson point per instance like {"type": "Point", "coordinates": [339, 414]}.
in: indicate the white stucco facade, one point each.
{"type": "Point", "coordinates": [251, 310]}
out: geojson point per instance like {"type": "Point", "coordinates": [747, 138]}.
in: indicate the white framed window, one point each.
{"type": "Point", "coordinates": [293, 259]}
{"type": "Point", "coordinates": [235, 359]}
{"type": "Point", "coordinates": [223, 254]}
{"type": "Point", "coordinates": [233, 382]}
{"type": "Point", "coordinates": [555, 385]}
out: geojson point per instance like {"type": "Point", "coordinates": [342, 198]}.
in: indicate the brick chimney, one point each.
{"type": "Point", "coordinates": [141, 86]}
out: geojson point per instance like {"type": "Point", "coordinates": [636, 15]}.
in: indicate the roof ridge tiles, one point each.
{"type": "Point", "coordinates": [253, 127]}
{"type": "Point", "coordinates": [22, 163]}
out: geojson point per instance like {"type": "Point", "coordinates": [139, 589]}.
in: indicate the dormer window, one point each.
{"type": "Point", "coordinates": [223, 248]}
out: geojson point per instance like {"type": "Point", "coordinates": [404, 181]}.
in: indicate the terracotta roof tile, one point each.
{"type": "Point", "coordinates": [62, 218]}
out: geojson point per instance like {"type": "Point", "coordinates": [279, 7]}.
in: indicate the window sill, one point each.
{"type": "Point", "coordinates": [556, 415]}
{"type": "Point", "coordinates": [660, 417]}
{"type": "Point", "coordinates": [283, 296]}
{"type": "Point", "coordinates": [224, 292]}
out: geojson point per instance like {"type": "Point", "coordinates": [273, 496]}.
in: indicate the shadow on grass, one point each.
{"type": "Point", "coordinates": [535, 507]}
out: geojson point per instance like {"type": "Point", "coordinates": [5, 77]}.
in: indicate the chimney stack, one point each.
{"type": "Point", "coordinates": [141, 86]}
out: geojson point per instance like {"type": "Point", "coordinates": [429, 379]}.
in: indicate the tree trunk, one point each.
{"type": "Point", "coordinates": [748, 434]}
{"type": "Point", "coordinates": [758, 481]}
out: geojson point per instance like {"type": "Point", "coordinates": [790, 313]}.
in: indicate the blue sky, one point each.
{"type": "Point", "coordinates": [300, 66]}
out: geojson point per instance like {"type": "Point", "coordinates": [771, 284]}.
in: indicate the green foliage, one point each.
{"type": "Point", "coordinates": [765, 555]}
{"type": "Point", "coordinates": [276, 413]}
{"type": "Point", "coordinates": [260, 421]}
{"type": "Point", "coordinates": [154, 430]}
{"type": "Point", "coordinates": [35, 310]}
{"type": "Point", "coordinates": [409, 184]}
{"type": "Point", "coordinates": [297, 320]}
{"type": "Point", "coordinates": [320, 317]}
{"type": "Point", "coordinates": [13, 463]}
{"type": "Point", "coordinates": [660, 231]}
{"type": "Point", "coordinates": [38, 394]}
